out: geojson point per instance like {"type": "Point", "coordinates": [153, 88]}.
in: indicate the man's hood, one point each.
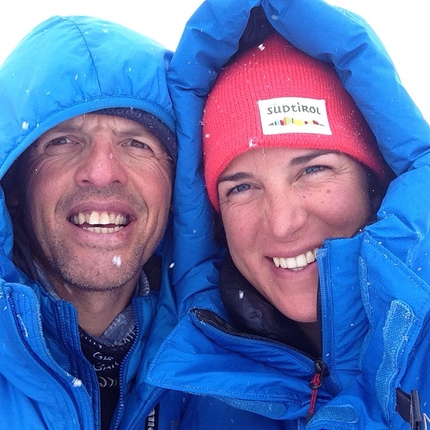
{"type": "Point", "coordinates": [68, 66]}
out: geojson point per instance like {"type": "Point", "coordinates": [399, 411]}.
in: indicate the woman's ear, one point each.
{"type": "Point", "coordinates": [376, 189]}
{"type": "Point", "coordinates": [218, 229]}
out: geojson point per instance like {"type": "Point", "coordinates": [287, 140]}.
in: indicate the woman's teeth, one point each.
{"type": "Point", "coordinates": [298, 262]}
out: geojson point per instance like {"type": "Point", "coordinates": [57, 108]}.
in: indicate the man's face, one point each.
{"type": "Point", "coordinates": [98, 191]}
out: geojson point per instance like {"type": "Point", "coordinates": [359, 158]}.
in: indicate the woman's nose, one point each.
{"type": "Point", "coordinates": [286, 214]}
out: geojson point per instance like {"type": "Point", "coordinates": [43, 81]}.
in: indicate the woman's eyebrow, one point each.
{"type": "Point", "coordinates": [235, 177]}
{"type": "Point", "coordinates": [297, 161]}
{"type": "Point", "coordinates": [303, 159]}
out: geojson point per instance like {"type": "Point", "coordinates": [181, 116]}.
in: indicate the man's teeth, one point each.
{"type": "Point", "coordinates": [96, 221]}
{"type": "Point", "coordinates": [298, 262]}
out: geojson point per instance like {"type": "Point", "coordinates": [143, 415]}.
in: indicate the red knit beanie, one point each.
{"type": "Point", "coordinates": [274, 95]}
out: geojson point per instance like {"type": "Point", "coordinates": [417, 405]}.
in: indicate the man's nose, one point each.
{"type": "Point", "coordinates": [286, 214]}
{"type": "Point", "coordinates": [101, 165]}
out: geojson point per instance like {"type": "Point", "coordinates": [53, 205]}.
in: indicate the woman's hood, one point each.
{"type": "Point", "coordinates": [217, 31]}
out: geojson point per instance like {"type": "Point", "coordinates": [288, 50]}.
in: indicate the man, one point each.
{"type": "Point", "coordinates": [87, 157]}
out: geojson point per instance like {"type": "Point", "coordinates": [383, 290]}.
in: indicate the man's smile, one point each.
{"type": "Point", "coordinates": [100, 222]}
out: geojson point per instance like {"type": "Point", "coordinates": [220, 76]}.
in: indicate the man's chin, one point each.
{"type": "Point", "coordinates": [70, 282]}
{"type": "Point", "coordinates": [91, 288]}
{"type": "Point", "coordinates": [71, 271]}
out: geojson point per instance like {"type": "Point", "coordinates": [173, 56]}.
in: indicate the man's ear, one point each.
{"type": "Point", "coordinates": [13, 187]}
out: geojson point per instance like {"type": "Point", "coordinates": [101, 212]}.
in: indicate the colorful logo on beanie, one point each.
{"type": "Point", "coordinates": [293, 115]}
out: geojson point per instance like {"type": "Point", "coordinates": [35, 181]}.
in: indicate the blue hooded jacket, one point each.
{"type": "Point", "coordinates": [374, 287]}
{"type": "Point", "coordinates": [67, 67]}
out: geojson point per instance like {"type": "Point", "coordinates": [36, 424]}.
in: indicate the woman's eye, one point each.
{"type": "Point", "coordinates": [313, 169]}
{"type": "Point", "coordinates": [240, 188]}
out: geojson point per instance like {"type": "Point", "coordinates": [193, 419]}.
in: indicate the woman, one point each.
{"type": "Point", "coordinates": [289, 162]}
{"type": "Point", "coordinates": [332, 344]}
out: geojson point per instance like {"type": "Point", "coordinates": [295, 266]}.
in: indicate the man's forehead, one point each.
{"type": "Point", "coordinates": [92, 122]}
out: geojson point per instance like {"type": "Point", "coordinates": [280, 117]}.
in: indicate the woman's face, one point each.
{"type": "Point", "coordinates": [278, 205]}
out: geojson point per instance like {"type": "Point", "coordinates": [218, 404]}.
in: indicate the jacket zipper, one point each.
{"type": "Point", "coordinates": [205, 319]}
{"type": "Point", "coordinates": [320, 368]}
{"type": "Point", "coordinates": [41, 362]}
{"type": "Point", "coordinates": [121, 384]}
{"type": "Point", "coordinates": [79, 358]}
{"type": "Point", "coordinates": [321, 371]}
{"type": "Point", "coordinates": [121, 373]}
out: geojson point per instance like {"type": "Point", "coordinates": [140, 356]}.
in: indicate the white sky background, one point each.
{"type": "Point", "coordinates": [404, 28]}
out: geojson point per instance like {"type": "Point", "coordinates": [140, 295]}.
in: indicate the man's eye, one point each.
{"type": "Point", "coordinates": [137, 144]}
{"type": "Point", "coordinates": [59, 141]}
{"type": "Point", "coordinates": [62, 145]}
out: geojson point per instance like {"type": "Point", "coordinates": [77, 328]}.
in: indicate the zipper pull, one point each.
{"type": "Point", "coordinates": [321, 370]}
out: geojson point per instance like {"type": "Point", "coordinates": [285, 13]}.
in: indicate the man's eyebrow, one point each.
{"type": "Point", "coordinates": [131, 130]}
{"type": "Point", "coordinates": [128, 130]}
{"type": "Point", "coordinates": [63, 128]}
{"type": "Point", "coordinates": [58, 129]}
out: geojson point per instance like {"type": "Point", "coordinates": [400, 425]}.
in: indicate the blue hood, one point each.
{"type": "Point", "coordinates": [112, 67]}
{"type": "Point", "coordinates": [377, 279]}
{"type": "Point", "coordinates": [211, 37]}
{"type": "Point", "coordinates": [67, 67]}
